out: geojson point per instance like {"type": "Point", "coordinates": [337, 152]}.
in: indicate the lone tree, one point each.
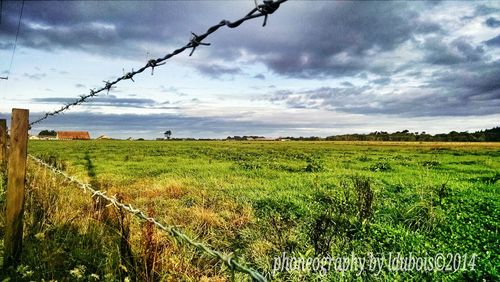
{"type": "Point", "coordinates": [167, 134]}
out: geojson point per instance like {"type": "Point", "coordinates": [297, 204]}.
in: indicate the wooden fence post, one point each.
{"type": "Point", "coordinates": [15, 186]}
{"type": "Point", "coordinates": [3, 144]}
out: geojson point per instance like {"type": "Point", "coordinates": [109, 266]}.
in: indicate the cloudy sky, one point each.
{"type": "Point", "coordinates": [317, 68]}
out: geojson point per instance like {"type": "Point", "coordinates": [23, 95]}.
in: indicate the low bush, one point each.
{"type": "Point", "coordinates": [281, 217]}
{"type": "Point", "coordinates": [381, 166]}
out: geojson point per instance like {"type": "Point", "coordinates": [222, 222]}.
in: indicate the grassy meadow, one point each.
{"type": "Point", "coordinates": [257, 200]}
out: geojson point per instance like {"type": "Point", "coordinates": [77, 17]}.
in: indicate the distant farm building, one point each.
{"type": "Point", "coordinates": [73, 135]}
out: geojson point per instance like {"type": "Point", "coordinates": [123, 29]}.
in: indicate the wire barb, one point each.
{"type": "Point", "coordinates": [152, 64]}
{"type": "Point", "coordinates": [129, 75]}
{"type": "Point", "coordinates": [195, 42]}
{"type": "Point", "coordinates": [108, 85]}
{"type": "Point", "coordinates": [267, 8]}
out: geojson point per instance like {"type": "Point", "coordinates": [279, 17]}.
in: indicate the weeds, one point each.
{"type": "Point", "coordinates": [364, 198]}
{"type": "Point", "coordinates": [314, 165]}
{"type": "Point", "coordinates": [442, 192]}
{"type": "Point", "coordinates": [422, 216]}
{"type": "Point", "coordinates": [380, 166]}
{"type": "Point", "coordinates": [431, 164]}
{"type": "Point", "coordinates": [150, 250]}
{"type": "Point", "coordinates": [340, 213]}
{"type": "Point", "coordinates": [282, 216]}
{"type": "Point", "coordinates": [332, 219]}
{"type": "Point", "coordinates": [490, 180]}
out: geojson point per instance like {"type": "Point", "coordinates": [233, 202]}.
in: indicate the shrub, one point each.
{"type": "Point", "coordinates": [281, 216]}
{"type": "Point", "coordinates": [314, 165]}
{"type": "Point", "coordinates": [53, 161]}
{"type": "Point", "coordinates": [442, 192]}
{"type": "Point", "coordinates": [381, 166]}
{"type": "Point", "coordinates": [422, 216]}
{"type": "Point", "coordinates": [431, 164]}
{"type": "Point", "coordinates": [340, 213]}
{"type": "Point", "coordinates": [151, 250]}
{"type": "Point", "coordinates": [364, 159]}
{"type": "Point", "coordinates": [364, 198]}
{"type": "Point", "coordinates": [334, 211]}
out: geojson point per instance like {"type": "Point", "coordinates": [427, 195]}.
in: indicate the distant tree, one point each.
{"type": "Point", "coordinates": [47, 133]}
{"type": "Point", "coordinates": [168, 133]}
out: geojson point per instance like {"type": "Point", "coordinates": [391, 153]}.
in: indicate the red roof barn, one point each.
{"type": "Point", "coordinates": [73, 135]}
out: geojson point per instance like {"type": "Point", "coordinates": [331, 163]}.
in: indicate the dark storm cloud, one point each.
{"type": "Point", "coordinates": [495, 42]}
{"type": "Point", "coordinates": [110, 100]}
{"type": "Point", "coordinates": [415, 104]}
{"type": "Point", "coordinates": [103, 27]}
{"type": "Point", "coordinates": [475, 80]}
{"type": "Point", "coordinates": [481, 10]}
{"type": "Point", "coordinates": [382, 81]}
{"type": "Point", "coordinates": [259, 76]}
{"type": "Point", "coordinates": [471, 90]}
{"type": "Point", "coordinates": [214, 70]}
{"type": "Point", "coordinates": [308, 41]}
{"type": "Point", "coordinates": [492, 22]}
{"type": "Point", "coordinates": [329, 39]}
{"type": "Point", "coordinates": [458, 51]}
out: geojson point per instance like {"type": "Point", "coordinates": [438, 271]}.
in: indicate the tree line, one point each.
{"type": "Point", "coordinates": [488, 135]}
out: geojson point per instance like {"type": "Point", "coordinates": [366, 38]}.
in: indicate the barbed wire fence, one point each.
{"type": "Point", "coordinates": [260, 10]}
{"type": "Point", "coordinates": [228, 260]}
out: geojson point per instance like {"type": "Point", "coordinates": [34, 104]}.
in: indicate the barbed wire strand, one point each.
{"type": "Point", "coordinates": [227, 259]}
{"type": "Point", "coordinates": [262, 10]}
{"type": "Point", "coordinates": [15, 42]}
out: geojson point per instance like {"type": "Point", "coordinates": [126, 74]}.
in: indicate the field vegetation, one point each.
{"type": "Point", "coordinates": [257, 200]}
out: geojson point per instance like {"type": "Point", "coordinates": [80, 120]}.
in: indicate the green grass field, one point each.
{"type": "Point", "coordinates": [258, 200]}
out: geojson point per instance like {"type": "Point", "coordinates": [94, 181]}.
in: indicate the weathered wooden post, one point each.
{"type": "Point", "coordinates": [3, 144]}
{"type": "Point", "coordinates": [15, 186]}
